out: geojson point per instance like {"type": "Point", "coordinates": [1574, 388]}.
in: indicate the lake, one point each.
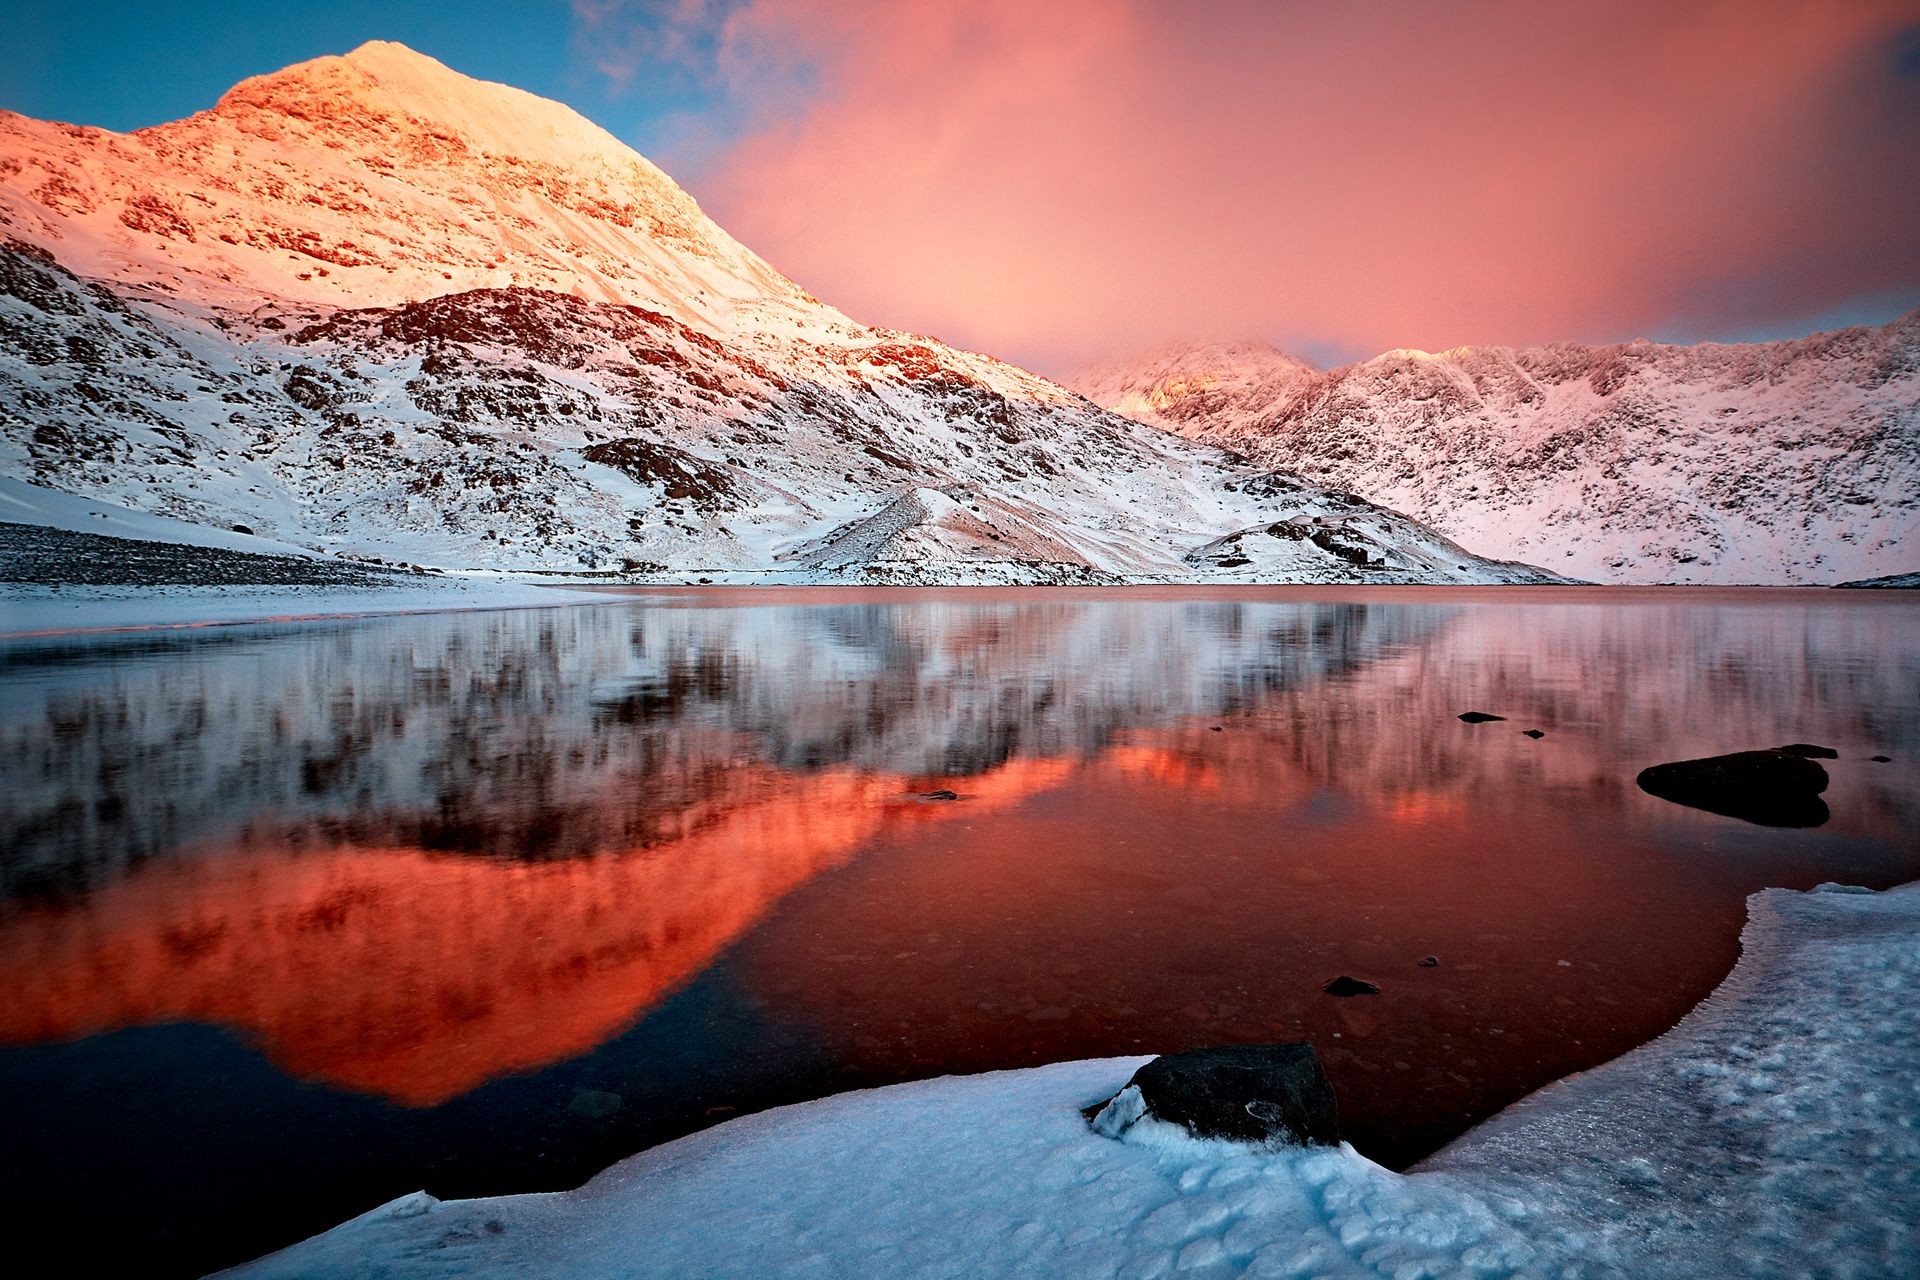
{"type": "Point", "coordinates": [301, 917]}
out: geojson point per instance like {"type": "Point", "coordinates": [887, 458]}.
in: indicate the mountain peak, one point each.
{"type": "Point", "coordinates": [375, 178]}
{"type": "Point", "coordinates": [386, 81]}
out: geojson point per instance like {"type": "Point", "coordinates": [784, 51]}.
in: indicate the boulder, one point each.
{"type": "Point", "coordinates": [1808, 751]}
{"type": "Point", "coordinates": [1345, 986]}
{"type": "Point", "coordinates": [1431, 962]}
{"type": "Point", "coordinates": [1881, 759]}
{"type": "Point", "coordinates": [1767, 788]}
{"type": "Point", "coordinates": [1266, 1093]}
{"type": "Point", "coordinates": [1479, 717]}
{"type": "Point", "coordinates": [1534, 733]}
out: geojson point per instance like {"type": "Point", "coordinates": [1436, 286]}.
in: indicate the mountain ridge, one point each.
{"type": "Point", "coordinates": [1788, 461]}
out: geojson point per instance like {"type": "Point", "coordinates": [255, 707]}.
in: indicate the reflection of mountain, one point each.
{"type": "Point", "coordinates": [392, 971]}
{"type": "Point", "coordinates": [549, 734]}
{"type": "Point", "coordinates": [407, 856]}
{"type": "Point", "coordinates": [1615, 688]}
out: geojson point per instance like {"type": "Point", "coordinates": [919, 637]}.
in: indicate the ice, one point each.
{"type": "Point", "coordinates": [1771, 1133]}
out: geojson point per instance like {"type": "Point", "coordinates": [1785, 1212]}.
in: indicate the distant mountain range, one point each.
{"type": "Point", "coordinates": [368, 307]}
{"type": "Point", "coordinates": [1773, 462]}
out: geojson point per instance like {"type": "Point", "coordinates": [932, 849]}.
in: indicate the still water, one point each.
{"type": "Point", "coordinates": [297, 918]}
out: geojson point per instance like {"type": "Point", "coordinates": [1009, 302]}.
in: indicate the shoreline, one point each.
{"type": "Point", "coordinates": [187, 607]}
{"type": "Point", "coordinates": [1768, 1132]}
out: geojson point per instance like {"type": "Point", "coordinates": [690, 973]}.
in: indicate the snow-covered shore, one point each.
{"type": "Point", "coordinates": [1775, 1131]}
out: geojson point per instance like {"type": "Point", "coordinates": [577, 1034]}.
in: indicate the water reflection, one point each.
{"type": "Point", "coordinates": [406, 858]}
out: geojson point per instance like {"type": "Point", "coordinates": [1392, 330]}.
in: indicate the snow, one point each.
{"type": "Point", "coordinates": [1778, 462]}
{"type": "Point", "coordinates": [1772, 1132]}
{"type": "Point", "coordinates": [23, 503]}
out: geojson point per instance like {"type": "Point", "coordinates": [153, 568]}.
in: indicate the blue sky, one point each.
{"type": "Point", "coordinates": [125, 65]}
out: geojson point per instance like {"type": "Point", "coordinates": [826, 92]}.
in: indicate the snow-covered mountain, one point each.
{"type": "Point", "coordinates": [1768, 462]}
{"type": "Point", "coordinates": [368, 306]}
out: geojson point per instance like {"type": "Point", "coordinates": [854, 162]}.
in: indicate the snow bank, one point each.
{"type": "Point", "coordinates": [1775, 1131]}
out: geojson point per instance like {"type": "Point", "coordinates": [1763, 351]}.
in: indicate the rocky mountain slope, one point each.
{"type": "Point", "coordinates": [370, 307]}
{"type": "Point", "coordinates": [1779, 462]}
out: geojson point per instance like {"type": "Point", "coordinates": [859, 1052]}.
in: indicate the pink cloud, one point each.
{"type": "Point", "coordinates": [1071, 179]}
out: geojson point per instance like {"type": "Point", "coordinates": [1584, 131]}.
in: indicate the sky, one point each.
{"type": "Point", "coordinates": [1073, 181]}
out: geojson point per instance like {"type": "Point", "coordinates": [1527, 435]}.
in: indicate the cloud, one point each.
{"type": "Point", "coordinates": [1068, 180]}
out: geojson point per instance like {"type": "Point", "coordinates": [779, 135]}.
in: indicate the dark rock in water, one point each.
{"type": "Point", "coordinates": [1881, 759]}
{"type": "Point", "coordinates": [942, 794]}
{"type": "Point", "coordinates": [1808, 751]}
{"type": "Point", "coordinates": [1345, 986]}
{"type": "Point", "coordinates": [1272, 1093]}
{"type": "Point", "coordinates": [1431, 962]}
{"type": "Point", "coordinates": [1767, 788]}
{"type": "Point", "coordinates": [594, 1104]}
{"type": "Point", "coordinates": [1479, 717]}
{"type": "Point", "coordinates": [1534, 733]}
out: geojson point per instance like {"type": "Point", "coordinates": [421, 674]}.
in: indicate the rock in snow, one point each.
{"type": "Point", "coordinates": [1261, 1093]}
{"type": "Point", "coordinates": [367, 306]}
{"type": "Point", "coordinates": [1769, 1134]}
{"type": "Point", "coordinates": [1769, 788]}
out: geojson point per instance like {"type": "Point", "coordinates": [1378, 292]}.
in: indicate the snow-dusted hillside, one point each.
{"type": "Point", "coordinates": [1779, 462]}
{"type": "Point", "coordinates": [368, 306]}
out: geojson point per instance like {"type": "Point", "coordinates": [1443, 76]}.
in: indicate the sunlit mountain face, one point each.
{"type": "Point", "coordinates": [368, 306]}
{"type": "Point", "coordinates": [483, 901]}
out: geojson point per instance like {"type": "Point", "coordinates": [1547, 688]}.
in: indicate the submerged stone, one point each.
{"type": "Point", "coordinates": [1810, 751]}
{"type": "Point", "coordinates": [1345, 986]}
{"type": "Point", "coordinates": [1269, 1093]}
{"type": "Point", "coordinates": [1479, 717]}
{"type": "Point", "coordinates": [1767, 788]}
{"type": "Point", "coordinates": [595, 1104]}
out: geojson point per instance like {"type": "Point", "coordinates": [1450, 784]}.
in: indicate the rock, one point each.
{"type": "Point", "coordinates": [1267, 1093]}
{"type": "Point", "coordinates": [241, 528]}
{"type": "Point", "coordinates": [1345, 986]}
{"type": "Point", "coordinates": [1431, 962]}
{"type": "Point", "coordinates": [1808, 751]}
{"type": "Point", "coordinates": [1881, 759]}
{"type": "Point", "coordinates": [1479, 717]}
{"type": "Point", "coordinates": [595, 1104]}
{"type": "Point", "coordinates": [942, 794]}
{"type": "Point", "coordinates": [1767, 788]}
{"type": "Point", "coordinates": [1534, 733]}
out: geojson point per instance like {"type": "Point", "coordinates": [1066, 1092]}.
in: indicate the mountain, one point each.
{"type": "Point", "coordinates": [1775, 462]}
{"type": "Point", "coordinates": [369, 307]}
